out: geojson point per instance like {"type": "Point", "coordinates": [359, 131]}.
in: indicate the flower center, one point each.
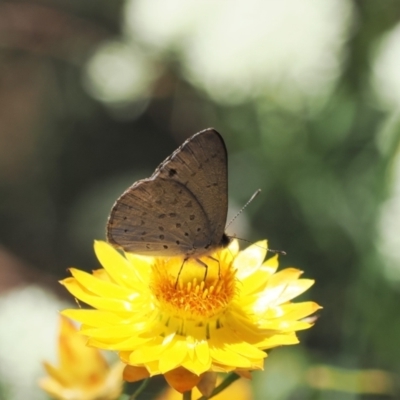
{"type": "Point", "coordinates": [193, 289]}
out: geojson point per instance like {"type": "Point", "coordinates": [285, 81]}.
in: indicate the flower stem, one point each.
{"type": "Point", "coordinates": [139, 389]}
{"type": "Point", "coordinates": [232, 377]}
{"type": "Point", "coordinates": [187, 395]}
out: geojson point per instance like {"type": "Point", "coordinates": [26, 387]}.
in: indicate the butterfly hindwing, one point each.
{"type": "Point", "coordinates": [147, 219]}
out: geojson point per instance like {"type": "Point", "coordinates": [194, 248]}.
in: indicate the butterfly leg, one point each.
{"type": "Point", "coordinates": [179, 273]}
{"type": "Point", "coordinates": [219, 266]}
{"type": "Point", "coordinates": [203, 264]}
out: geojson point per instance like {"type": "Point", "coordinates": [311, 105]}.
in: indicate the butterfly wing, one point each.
{"type": "Point", "coordinates": [181, 208]}
{"type": "Point", "coordinates": [148, 219]}
{"type": "Point", "coordinates": [200, 164]}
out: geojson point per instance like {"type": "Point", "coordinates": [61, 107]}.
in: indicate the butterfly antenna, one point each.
{"type": "Point", "coordinates": [270, 250]}
{"type": "Point", "coordinates": [257, 192]}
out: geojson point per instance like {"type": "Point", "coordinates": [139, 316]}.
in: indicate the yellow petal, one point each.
{"type": "Point", "coordinates": [202, 352]}
{"type": "Point", "coordinates": [151, 352]}
{"type": "Point", "coordinates": [80, 293]}
{"type": "Point", "coordinates": [294, 289]}
{"type": "Point", "coordinates": [250, 259]}
{"type": "Point", "coordinates": [111, 343]}
{"type": "Point", "coordinates": [95, 318]}
{"type": "Point", "coordinates": [297, 311]}
{"type": "Point", "coordinates": [102, 288]}
{"type": "Point", "coordinates": [173, 356]}
{"type": "Point", "coordinates": [278, 340]}
{"type": "Point", "coordinates": [118, 267]}
{"type": "Point", "coordinates": [117, 332]}
{"type": "Point", "coordinates": [257, 281]}
{"type": "Point", "coordinates": [233, 247]}
{"type": "Point", "coordinates": [284, 277]}
{"type": "Point", "coordinates": [195, 366]}
{"type": "Point", "coordinates": [142, 265]}
{"type": "Point", "coordinates": [55, 374]}
{"type": "Point", "coordinates": [246, 349]}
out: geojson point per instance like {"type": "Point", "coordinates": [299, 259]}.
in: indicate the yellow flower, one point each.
{"type": "Point", "coordinates": [83, 373]}
{"type": "Point", "coordinates": [184, 318]}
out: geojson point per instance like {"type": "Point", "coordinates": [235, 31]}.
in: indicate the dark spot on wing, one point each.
{"type": "Point", "coordinates": [161, 216]}
{"type": "Point", "coordinates": [172, 172]}
{"type": "Point", "coordinates": [189, 204]}
{"type": "Point", "coordinates": [162, 237]}
{"type": "Point", "coordinates": [192, 217]}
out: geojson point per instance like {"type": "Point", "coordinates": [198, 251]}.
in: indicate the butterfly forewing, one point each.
{"type": "Point", "coordinates": [201, 165]}
{"type": "Point", "coordinates": [181, 208]}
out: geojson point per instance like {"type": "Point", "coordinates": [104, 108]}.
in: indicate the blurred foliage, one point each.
{"type": "Point", "coordinates": [65, 156]}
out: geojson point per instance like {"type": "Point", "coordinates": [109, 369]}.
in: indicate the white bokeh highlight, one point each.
{"type": "Point", "coordinates": [291, 50]}
{"type": "Point", "coordinates": [386, 76]}
{"type": "Point", "coordinates": [119, 73]}
{"type": "Point", "coordinates": [29, 324]}
{"type": "Point", "coordinates": [389, 233]}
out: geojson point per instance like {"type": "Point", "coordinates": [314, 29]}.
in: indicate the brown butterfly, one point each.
{"type": "Point", "coordinates": [182, 208]}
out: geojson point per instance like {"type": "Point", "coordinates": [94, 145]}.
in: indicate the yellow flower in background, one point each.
{"type": "Point", "coordinates": [83, 373]}
{"type": "Point", "coordinates": [181, 319]}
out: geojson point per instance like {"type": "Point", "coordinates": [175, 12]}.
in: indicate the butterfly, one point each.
{"type": "Point", "coordinates": [182, 208]}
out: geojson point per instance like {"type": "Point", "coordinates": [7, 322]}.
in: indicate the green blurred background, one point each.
{"type": "Point", "coordinates": [95, 94]}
